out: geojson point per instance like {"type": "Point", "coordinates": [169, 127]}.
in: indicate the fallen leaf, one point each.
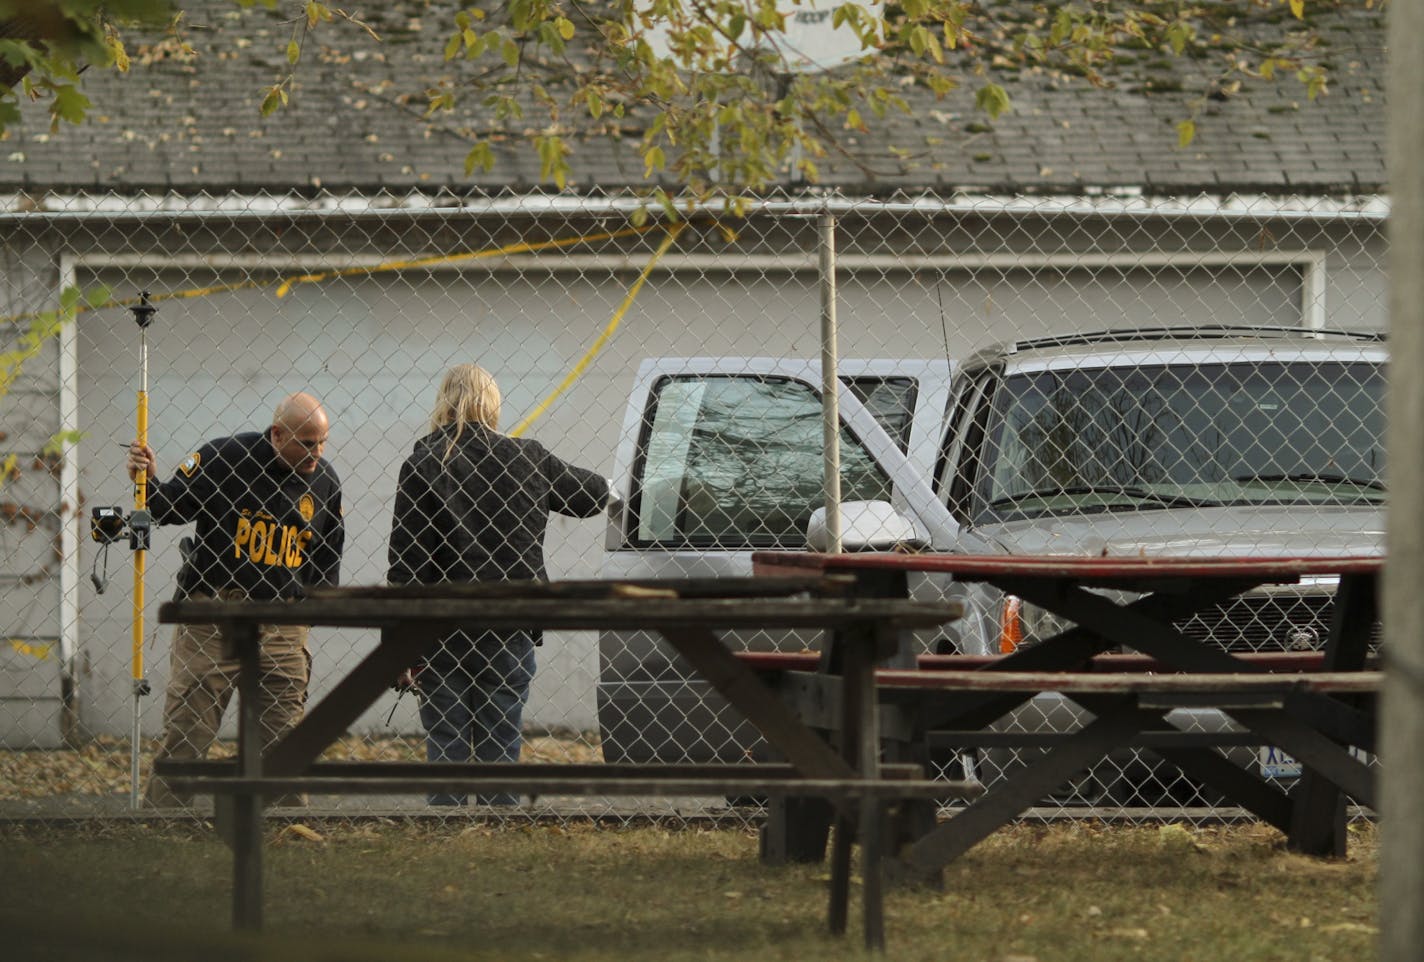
{"type": "Point", "coordinates": [639, 591]}
{"type": "Point", "coordinates": [1127, 933]}
{"type": "Point", "coordinates": [301, 831]}
{"type": "Point", "coordinates": [1359, 927]}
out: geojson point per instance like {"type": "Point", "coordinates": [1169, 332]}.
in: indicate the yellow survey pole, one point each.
{"type": "Point", "coordinates": [139, 528]}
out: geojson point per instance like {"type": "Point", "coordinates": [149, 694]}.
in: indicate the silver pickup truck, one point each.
{"type": "Point", "coordinates": [721, 457]}
{"type": "Point", "coordinates": [1205, 441]}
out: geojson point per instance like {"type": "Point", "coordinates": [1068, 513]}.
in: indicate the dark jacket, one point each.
{"type": "Point", "coordinates": [481, 515]}
{"type": "Point", "coordinates": [260, 526]}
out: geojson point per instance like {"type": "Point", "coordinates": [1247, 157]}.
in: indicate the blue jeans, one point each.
{"type": "Point", "coordinates": [473, 691]}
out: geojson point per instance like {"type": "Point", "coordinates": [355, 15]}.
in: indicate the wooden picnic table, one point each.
{"type": "Point", "coordinates": [688, 614]}
{"type": "Point", "coordinates": [1324, 717]}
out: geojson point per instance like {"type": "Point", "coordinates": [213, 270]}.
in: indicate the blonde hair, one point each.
{"type": "Point", "coordinates": [467, 394]}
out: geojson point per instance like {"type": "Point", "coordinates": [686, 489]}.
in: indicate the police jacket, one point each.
{"type": "Point", "coordinates": [260, 526]}
{"type": "Point", "coordinates": [481, 514]}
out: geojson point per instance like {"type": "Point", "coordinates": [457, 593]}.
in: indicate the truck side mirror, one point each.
{"type": "Point", "coordinates": [865, 526]}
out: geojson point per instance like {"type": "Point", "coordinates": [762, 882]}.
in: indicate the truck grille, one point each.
{"type": "Point", "coordinates": [1268, 621]}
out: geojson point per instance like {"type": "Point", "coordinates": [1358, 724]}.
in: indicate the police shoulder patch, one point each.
{"type": "Point", "coordinates": [306, 506]}
{"type": "Point", "coordinates": [189, 467]}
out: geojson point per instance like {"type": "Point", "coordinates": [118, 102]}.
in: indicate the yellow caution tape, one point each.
{"type": "Point", "coordinates": [39, 652]}
{"type": "Point", "coordinates": [592, 352]}
{"type": "Point", "coordinates": [521, 248]}
{"type": "Point", "coordinates": [285, 287]}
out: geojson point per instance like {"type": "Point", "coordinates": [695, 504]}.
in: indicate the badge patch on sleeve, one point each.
{"type": "Point", "coordinates": [306, 505]}
{"type": "Point", "coordinates": [189, 467]}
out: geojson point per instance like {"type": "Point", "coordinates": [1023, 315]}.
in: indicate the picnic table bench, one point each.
{"type": "Point", "coordinates": [688, 614]}
{"type": "Point", "coordinates": [1319, 706]}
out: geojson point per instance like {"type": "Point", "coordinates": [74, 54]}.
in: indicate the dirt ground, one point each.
{"type": "Point", "coordinates": [585, 892]}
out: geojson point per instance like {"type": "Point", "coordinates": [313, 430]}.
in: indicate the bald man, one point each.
{"type": "Point", "coordinates": [267, 512]}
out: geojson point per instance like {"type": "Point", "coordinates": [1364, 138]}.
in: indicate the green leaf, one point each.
{"type": "Point", "coordinates": [69, 103]}
{"type": "Point", "coordinates": [919, 40]}
{"type": "Point", "coordinates": [294, 51]}
{"type": "Point", "coordinates": [552, 163]}
{"type": "Point", "coordinates": [1179, 34]}
{"type": "Point", "coordinates": [653, 159]}
{"type": "Point", "coordinates": [992, 99]}
{"type": "Point", "coordinates": [1062, 26]}
{"type": "Point", "coordinates": [275, 97]}
{"type": "Point", "coordinates": [56, 444]}
{"type": "Point", "coordinates": [452, 46]}
{"type": "Point", "coordinates": [97, 296]}
{"type": "Point", "coordinates": [17, 54]}
{"type": "Point", "coordinates": [1186, 132]}
{"type": "Point", "coordinates": [510, 52]}
{"type": "Point", "coordinates": [480, 156]}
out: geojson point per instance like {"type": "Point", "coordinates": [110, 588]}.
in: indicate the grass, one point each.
{"type": "Point", "coordinates": [582, 892]}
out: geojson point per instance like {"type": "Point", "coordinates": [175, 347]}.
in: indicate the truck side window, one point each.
{"type": "Point", "coordinates": [891, 400]}
{"type": "Point", "coordinates": [973, 429]}
{"type": "Point", "coordinates": [735, 462]}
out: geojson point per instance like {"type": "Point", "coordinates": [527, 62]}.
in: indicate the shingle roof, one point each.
{"type": "Point", "coordinates": [356, 123]}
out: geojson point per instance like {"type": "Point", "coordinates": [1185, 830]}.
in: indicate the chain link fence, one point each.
{"type": "Point", "coordinates": [681, 360]}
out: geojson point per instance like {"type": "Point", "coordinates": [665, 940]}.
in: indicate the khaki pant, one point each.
{"type": "Point", "coordinates": [201, 684]}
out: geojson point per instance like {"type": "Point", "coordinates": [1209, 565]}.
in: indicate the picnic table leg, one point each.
{"type": "Point", "coordinates": [855, 664]}
{"type": "Point", "coordinates": [840, 874]}
{"type": "Point", "coordinates": [247, 806]}
{"type": "Point", "coordinates": [796, 829]}
{"type": "Point", "coordinates": [862, 742]}
{"type": "Point", "coordinates": [1318, 812]}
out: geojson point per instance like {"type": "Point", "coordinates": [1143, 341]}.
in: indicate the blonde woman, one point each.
{"type": "Point", "coordinates": [473, 505]}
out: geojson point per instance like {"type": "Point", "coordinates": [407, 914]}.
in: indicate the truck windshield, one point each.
{"type": "Point", "coordinates": [1142, 438]}
{"type": "Point", "coordinates": [736, 462]}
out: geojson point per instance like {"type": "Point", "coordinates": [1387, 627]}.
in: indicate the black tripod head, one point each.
{"type": "Point", "coordinates": [143, 311]}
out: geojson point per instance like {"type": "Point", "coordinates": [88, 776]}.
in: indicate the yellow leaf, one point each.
{"type": "Point", "coordinates": [120, 55]}
{"type": "Point", "coordinates": [1186, 132]}
{"type": "Point", "coordinates": [301, 831]}
{"type": "Point", "coordinates": [1298, 9]}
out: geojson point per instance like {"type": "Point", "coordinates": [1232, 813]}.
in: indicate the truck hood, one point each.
{"type": "Point", "coordinates": [1279, 530]}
